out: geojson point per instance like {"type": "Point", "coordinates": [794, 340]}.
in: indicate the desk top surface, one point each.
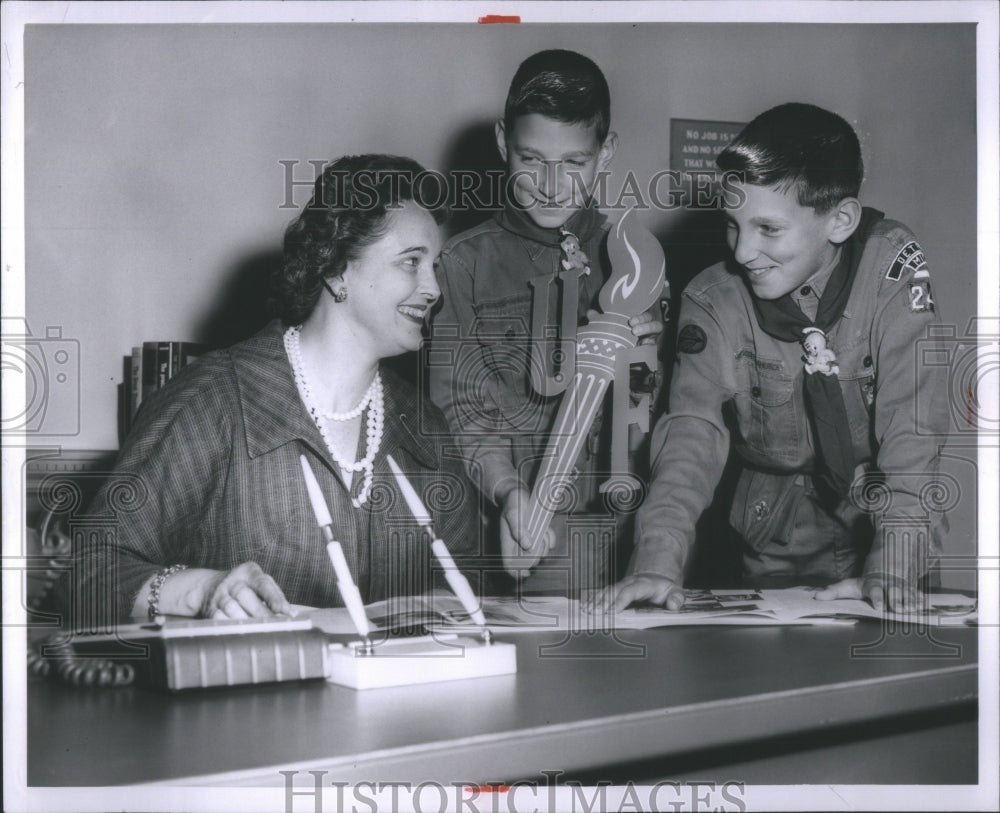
{"type": "Point", "coordinates": [577, 702]}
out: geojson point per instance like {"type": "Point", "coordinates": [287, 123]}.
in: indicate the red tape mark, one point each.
{"type": "Point", "coordinates": [488, 788]}
{"type": "Point", "coordinates": [490, 19]}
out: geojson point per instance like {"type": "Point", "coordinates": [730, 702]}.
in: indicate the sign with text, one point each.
{"type": "Point", "coordinates": [694, 143]}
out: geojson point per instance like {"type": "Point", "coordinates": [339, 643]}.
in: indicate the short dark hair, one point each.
{"type": "Point", "coordinates": [350, 207]}
{"type": "Point", "coordinates": [801, 146]}
{"type": "Point", "coordinates": [560, 85]}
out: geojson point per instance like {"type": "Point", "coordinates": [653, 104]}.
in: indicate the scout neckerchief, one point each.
{"type": "Point", "coordinates": [555, 316]}
{"type": "Point", "coordinates": [784, 320]}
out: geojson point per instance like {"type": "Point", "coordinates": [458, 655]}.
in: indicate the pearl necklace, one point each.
{"type": "Point", "coordinates": [365, 400]}
{"type": "Point", "coordinates": [373, 399]}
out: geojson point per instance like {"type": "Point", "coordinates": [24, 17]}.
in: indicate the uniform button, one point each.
{"type": "Point", "coordinates": [755, 392]}
{"type": "Point", "coordinates": [868, 361]}
{"type": "Point", "coordinates": [805, 290]}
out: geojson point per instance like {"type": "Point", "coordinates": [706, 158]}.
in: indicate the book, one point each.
{"type": "Point", "coordinates": [148, 369]}
{"type": "Point", "coordinates": [150, 366]}
{"type": "Point", "coordinates": [163, 372]}
{"type": "Point", "coordinates": [136, 379]}
{"type": "Point", "coordinates": [183, 354]}
{"type": "Point", "coordinates": [125, 399]}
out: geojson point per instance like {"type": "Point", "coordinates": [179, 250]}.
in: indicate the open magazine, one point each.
{"type": "Point", "coordinates": [441, 611]}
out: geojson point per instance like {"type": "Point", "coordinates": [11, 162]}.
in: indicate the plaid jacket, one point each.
{"type": "Point", "coordinates": [210, 477]}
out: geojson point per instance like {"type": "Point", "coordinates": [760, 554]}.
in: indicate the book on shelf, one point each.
{"type": "Point", "coordinates": [184, 353]}
{"type": "Point", "coordinates": [125, 399]}
{"type": "Point", "coordinates": [149, 367]}
{"type": "Point", "coordinates": [160, 361]}
{"type": "Point", "coordinates": [163, 371]}
{"type": "Point", "coordinates": [136, 380]}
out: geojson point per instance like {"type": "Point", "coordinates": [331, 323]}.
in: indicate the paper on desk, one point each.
{"type": "Point", "coordinates": [555, 613]}
{"type": "Point", "coordinates": [938, 609]}
{"type": "Point", "coordinates": [793, 606]}
{"type": "Point", "coordinates": [388, 616]}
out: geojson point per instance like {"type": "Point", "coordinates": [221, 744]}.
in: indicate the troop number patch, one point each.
{"type": "Point", "coordinates": [920, 297]}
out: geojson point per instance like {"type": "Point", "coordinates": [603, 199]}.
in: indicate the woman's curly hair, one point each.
{"type": "Point", "coordinates": [349, 211]}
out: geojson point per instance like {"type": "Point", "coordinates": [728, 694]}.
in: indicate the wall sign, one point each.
{"type": "Point", "coordinates": [694, 143]}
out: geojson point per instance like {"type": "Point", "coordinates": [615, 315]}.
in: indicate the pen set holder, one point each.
{"type": "Point", "coordinates": [409, 661]}
{"type": "Point", "coordinates": [402, 662]}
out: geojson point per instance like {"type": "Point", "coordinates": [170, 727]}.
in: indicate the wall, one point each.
{"type": "Point", "coordinates": [154, 192]}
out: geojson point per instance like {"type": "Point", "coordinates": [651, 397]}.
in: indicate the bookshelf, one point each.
{"type": "Point", "coordinates": [148, 368]}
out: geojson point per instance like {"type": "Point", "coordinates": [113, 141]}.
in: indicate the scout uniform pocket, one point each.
{"type": "Point", "coordinates": [764, 508]}
{"type": "Point", "coordinates": [774, 425]}
{"type": "Point", "coordinates": [503, 332]}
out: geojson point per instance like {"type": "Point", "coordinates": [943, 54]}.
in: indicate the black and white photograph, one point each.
{"type": "Point", "coordinates": [517, 406]}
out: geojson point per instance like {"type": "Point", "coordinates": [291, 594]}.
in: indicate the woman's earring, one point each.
{"type": "Point", "coordinates": [340, 295]}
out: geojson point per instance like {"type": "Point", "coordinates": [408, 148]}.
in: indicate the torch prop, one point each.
{"type": "Point", "coordinates": [605, 348]}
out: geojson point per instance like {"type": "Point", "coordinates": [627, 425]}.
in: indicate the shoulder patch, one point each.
{"type": "Point", "coordinates": [910, 258]}
{"type": "Point", "coordinates": [920, 297]}
{"type": "Point", "coordinates": [691, 339]}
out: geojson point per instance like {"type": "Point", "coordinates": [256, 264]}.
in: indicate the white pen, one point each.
{"type": "Point", "coordinates": [345, 582]}
{"type": "Point", "coordinates": [459, 584]}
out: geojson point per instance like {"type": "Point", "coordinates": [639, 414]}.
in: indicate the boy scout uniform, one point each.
{"type": "Point", "coordinates": [483, 333]}
{"type": "Point", "coordinates": [480, 375]}
{"type": "Point", "coordinates": [734, 382]}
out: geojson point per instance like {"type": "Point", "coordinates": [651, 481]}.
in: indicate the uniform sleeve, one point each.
{"type": "Point", "coordinates": [689, 445]}
{"type": "Point", "coordinates": [155, 499]}
{"type": "Point", "coordinates": [454, 354]}
{"type": "Point", "coordinates": [910, 419]}
{"type": "Point", "coordinates": [461, 528]}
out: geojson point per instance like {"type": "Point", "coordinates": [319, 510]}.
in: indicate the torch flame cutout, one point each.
{"type": "Point", "coordinates": [627, 284]}
{"type": "Point", "coordinates": [634, 253]}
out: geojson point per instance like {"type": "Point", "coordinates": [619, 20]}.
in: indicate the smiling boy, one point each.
{"type": "Point", "coordinates": [807, 260]}
{"type": "Point", "coordinates": [555, 139]}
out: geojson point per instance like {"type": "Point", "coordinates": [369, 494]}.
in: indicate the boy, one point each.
{"type": "Point", "coordinates": [555, 140]}
{"type": "Point", "coordinates": [815, 279]}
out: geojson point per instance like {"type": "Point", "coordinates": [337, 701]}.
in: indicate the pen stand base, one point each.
{"type": "Point", "coordinates": [408, 661]}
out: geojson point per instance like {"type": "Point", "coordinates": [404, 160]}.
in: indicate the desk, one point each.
{"type": "Point", "coordinates": [782, 704]}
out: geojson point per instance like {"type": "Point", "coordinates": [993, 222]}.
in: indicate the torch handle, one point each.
{"type": "Point", "coordinates": [598, 345]}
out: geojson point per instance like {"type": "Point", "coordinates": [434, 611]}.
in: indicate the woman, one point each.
{"type": "Point", "coordinates": [217, 521]}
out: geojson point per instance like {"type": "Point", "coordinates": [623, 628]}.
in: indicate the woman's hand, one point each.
{"type": "Point", "coordinates": [246, 591]}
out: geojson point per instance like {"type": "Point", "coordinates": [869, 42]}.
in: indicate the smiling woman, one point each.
{"type": "Point", "coordinates": [220, 524]}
